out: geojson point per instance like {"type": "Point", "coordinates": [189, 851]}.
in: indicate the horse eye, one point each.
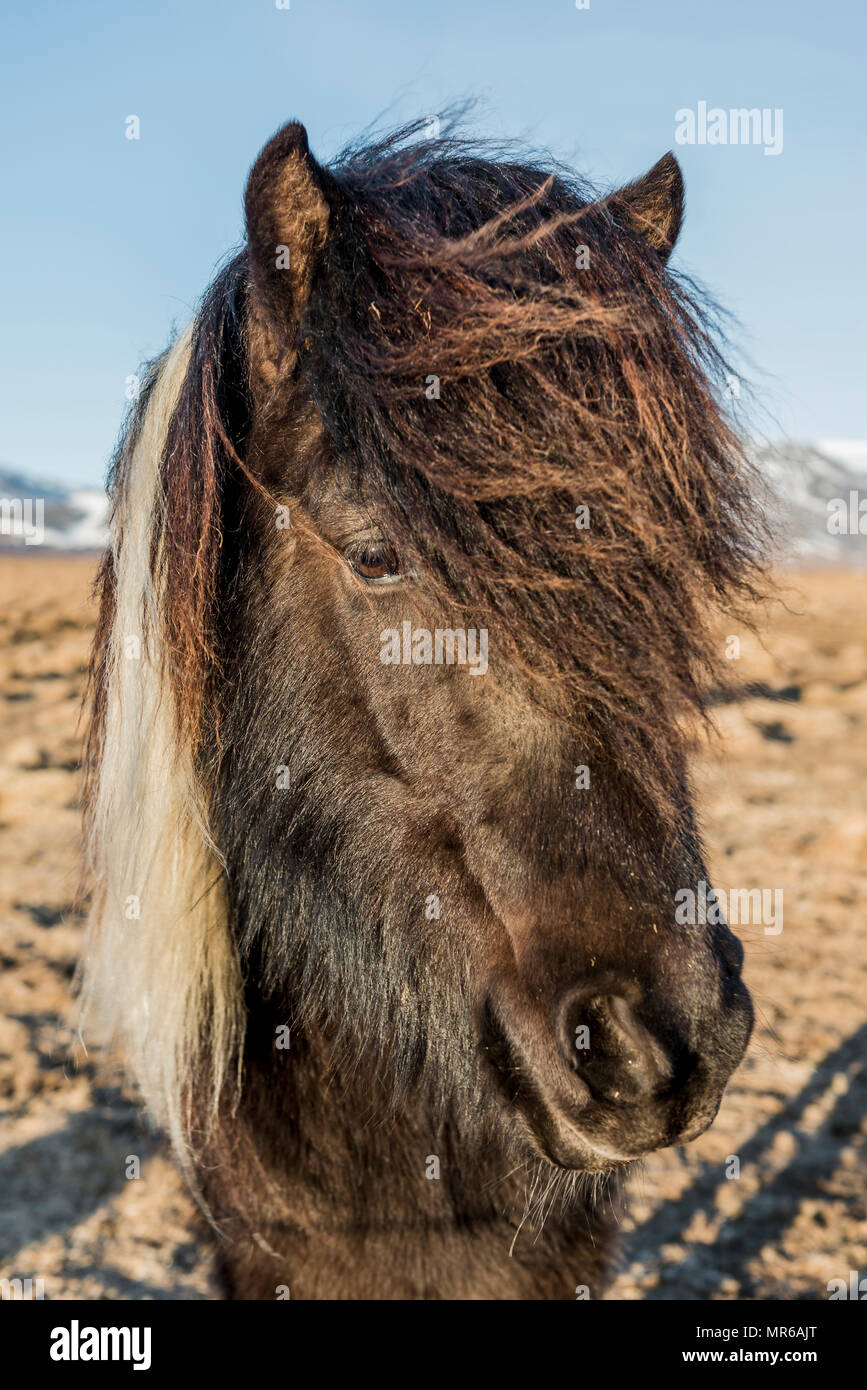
{"type": "Point", "coordinates": [375, 561]}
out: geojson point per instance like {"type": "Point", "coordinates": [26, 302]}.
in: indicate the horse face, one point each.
{"type": "Point", "coordinates": [450, 870]}
{"type": "Point", "coordinates": [421, 798]}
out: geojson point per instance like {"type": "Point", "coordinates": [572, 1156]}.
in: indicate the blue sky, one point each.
{"type": "Point", "coordinates": [108, 242]}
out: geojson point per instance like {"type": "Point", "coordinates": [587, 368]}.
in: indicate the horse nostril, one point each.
{"type": "Point", "coordinates": [613, 1053]}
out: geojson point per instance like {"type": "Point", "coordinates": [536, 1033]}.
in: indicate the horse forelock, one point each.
{"type": "Point", "coordinates": [491, 348]}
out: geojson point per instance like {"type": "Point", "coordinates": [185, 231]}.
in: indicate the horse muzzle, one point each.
{"type": "Point", "coordinates": [606, 1073]}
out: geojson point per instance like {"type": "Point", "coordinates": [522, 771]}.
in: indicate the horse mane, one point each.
{"type": "Point", "coordinates": [558, 387]}
{"type": "Point", "coordinates": [161, 973]}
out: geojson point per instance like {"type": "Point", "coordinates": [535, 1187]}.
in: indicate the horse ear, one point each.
{"type": "Point", "coordinates": [653, 205]}
{"type": "Point", "coordinates": [287, 214]}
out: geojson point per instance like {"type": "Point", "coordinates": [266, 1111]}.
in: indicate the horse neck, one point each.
{"type": "Point", "coordinates": [313, 1166]}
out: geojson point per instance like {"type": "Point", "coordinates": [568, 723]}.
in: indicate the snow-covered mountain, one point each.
{"type": "Point", "coordinates": [816, 492]}
{"type": "Point", "coordinates": [37, 515]}
{"type": "Point", "coordinates": [802, 479]}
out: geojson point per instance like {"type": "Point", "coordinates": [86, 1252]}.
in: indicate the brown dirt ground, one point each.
{"type": "Point", "coordinates": [782, 796]}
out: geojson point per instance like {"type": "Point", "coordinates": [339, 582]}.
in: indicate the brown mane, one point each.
{"type": "Point", "coordinates": [559, 387]}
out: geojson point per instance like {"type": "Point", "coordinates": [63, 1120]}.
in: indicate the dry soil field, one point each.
{"type": "Point", "coordinates": [782, 792]}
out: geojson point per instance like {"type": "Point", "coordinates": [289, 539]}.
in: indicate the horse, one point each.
{"type": "Point", "coordinates": [386, 933]}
